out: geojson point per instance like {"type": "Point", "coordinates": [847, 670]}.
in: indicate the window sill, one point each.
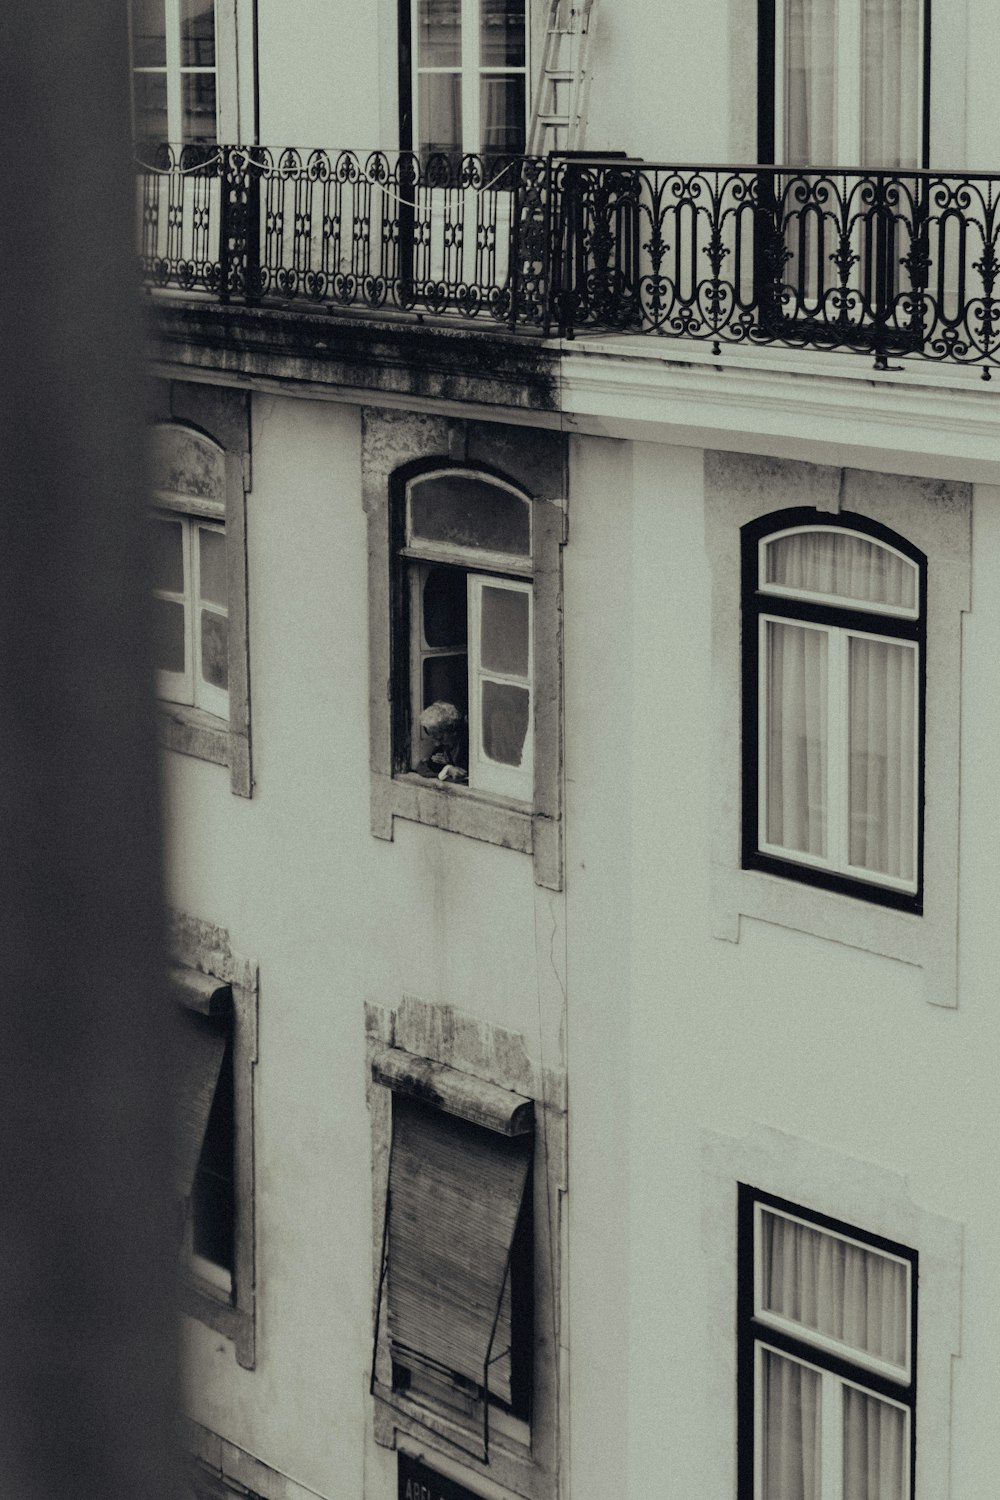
{"type": "Point", "coordinates": [510, 1463]}
{"type": "Point", "coordinates": [459, 809]}
{"type": "Point", "coordinates": [194, 732]}
{"type": "Point", "coordinates": [209, 1304]}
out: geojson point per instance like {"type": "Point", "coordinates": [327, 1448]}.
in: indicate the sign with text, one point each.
{"type": "Point", "coordinates": [417, 1482]}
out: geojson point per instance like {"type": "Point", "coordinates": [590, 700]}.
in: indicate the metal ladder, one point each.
{"type": "Point", "coordinates": [561, 98]}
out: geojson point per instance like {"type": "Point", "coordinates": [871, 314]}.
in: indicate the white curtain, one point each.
{"type": "Point", "coordinates": [791, 1429]}
{"type": "Point", "coordinates": [843, 565]}
{"type": "Point", "coordinates": [797, 731]}
{"type": "Point", "coordinates": [890, 77]}
{"type": "Point", "coordinates": [882, 796]}
{"type": "Point", "coordinates": [845, 1292]}
{"type": "Point", "coordinates": [874, 1439]}
{"type": "Point", "coordinates": [810, 83]}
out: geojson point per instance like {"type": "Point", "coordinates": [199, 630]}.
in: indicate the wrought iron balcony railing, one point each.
{"type": "Point", "coordinates": [889, 263]}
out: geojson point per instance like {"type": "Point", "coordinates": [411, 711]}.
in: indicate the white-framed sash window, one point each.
{"type": "Point", "coordinates": [191, 611]}
{"type": "Point", "coordinates": [174, 71]}
{"type": "Point", "coordinates": [470, 72]}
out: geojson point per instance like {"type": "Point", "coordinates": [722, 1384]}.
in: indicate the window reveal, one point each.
{"type": "Point", "coordinates": [205, 1137]}
{"type": "Point", "coordinates": [470, 633]}
{"type": "Point", "coordinates": [191, 612]}
{"type": "Point", "coordinates": [833, 636]}
{"type": "Point", "coordinates": [827, 1358]}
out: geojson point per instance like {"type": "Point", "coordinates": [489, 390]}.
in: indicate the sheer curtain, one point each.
{"type": "Point", "coordinates": [810, 124]}
{"type": "Point", "coordinates": [890, 77]}
{"type": "Point", "coordinates": [877, 829]}
{"type": "Point", "coordinates": [791, 1458]}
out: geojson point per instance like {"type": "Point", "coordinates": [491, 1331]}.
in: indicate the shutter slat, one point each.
{"type": "Point", "coordinates": [455, 1194]}
{"type": "Point", "coordinates": [201, 1047]}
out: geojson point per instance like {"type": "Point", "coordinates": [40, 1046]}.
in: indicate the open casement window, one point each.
{"type": "Point", "coordinates": [466, 563]}
{"type": "Point", "coordinates": [174, 71]}
{"type": "Point", "coordinates": [827, 1333]}
{"type": "Point", "coordinates": [466, 77]}
{"type": "Point", "coordinates": [197, 574]}
{"type": "Point", "coordinates": [833, 640]}
{"type": "Point", "coordinates": [455, 1296]}
{"type": "Point", "coordinates": [205, 1137]}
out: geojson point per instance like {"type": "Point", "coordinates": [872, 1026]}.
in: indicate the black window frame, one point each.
{"type": "Point", "coordinates": [754, 602]}
{"type": "Point", "coordinates": [750, 1330]}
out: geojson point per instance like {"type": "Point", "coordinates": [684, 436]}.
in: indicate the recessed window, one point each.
{"type": "Point", "coordinates": [827, 1358]}
{"type": "Point", "coordinates": [466, 715]}
{"type": "Point", "coordinates": [206, 1139]}
{"type": "Point", "coordinates": [833, 693]}
{"type": "Point", "coordinates": [174, 71]}
{"type": "Point", "coordinates": [191, 612]}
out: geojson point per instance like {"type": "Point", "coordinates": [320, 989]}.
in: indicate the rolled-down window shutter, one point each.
{"type": "Point", "coordinates": [201, 1048]}
{"type": "Point", "coordinates": [455, 1192]}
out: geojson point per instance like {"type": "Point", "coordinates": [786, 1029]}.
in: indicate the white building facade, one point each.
{"type": "Point", "coordinates": [591, 1091]}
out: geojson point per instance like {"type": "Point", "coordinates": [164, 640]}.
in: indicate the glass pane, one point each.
{"type": "Point", "coordinates": [501, 42]}
{"type": "Point", "coordinates": [883, 743]}
{"type": "Point", "coordinates": [796, 738]}
{"type": "Point", "coordinates": [198, 33]}
{"type": "Point", "coordinates": [215, 649]}
{"type": "Point", "coordinates": [149, 93]}
{"type": "Point", "coordinates": [212, 546]}
{"type": "Point", "coordinates": [839, 563]}
{"type": "Point", "coordinates": [149, 34]}
{"type": "Point", "coordinates": [198, 106]}
{"type": "Point", "coordinates": [446, 680]}
{"type": "Point", "coordinates": [168, 635]}
{"type": "Point", "coordinates": [168, 555]}
{"type": "Point", "coordinates": [791, 1429]}
{"type": "Point", "coordinates": [439, 113]}
{"type": "Point", "coordinates": [874, 1448]}
{"type": "Point", "coordinates": [810, 84]}
{"type": "Point", "coordinates": [466, 512]}
{"type": "Point", "coordinates": [439, 34]}
{"type": "Point", "coordinates": [505, 721]}
{"type": "Point", "coordinates": [890, 70]}
{"type": "Point", "coordinates": [501, 100]}
{"type": "Point", "coordinates": [844, 1292]}
{"type": "Point", "coordinates": [445, 607]}
{"type": "Point", "coordinates": [504, 631]}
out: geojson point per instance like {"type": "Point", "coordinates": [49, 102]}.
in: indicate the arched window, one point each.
{"type": "Point", "coordinates": [465, 575]}
{"type": "Point", "coordinates": [833, 640]}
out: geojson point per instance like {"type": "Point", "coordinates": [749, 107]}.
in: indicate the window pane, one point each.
{"type": "Point", "coordinates": [890, 69]}
{"type": "Point", "coordinates": [796, 738]}
{"type": "Point", "coordinates": [465, 512]}
{"type": "Point", "coordinates": [791, 1429]}
{"type": "Point", "coordinates": [810, 83]}
{"type": "Point", "coordinates": [502, 34]}
{"type": "Point", "coordinates": [445, 607]}
{"type": "Point", "coordinates": [149, 34]}
{"type": "Point", "coordinates": [212, 1197]}
{"type": "Point", "coordinates": [198, 33]}
{"type": "Point", "coordinates": [198, 104]}
{"type": "Point", "coordinates": [504, 643]}
{"type": "Point", "coordinates": [505, 721]}
{"type": "Point", "coordinates": [874, 1448]}
{"type": "Point", "coordinates": [215, 649]}
{"type": "Point", "coordinates": [839, 563]}
{"type": "Point", "coordinates": [439, 112]}
{"type": "Point", "coordinates": [446, 680]}
{"type": "Point", "coordinates": [212, 546]}
{"type": "Point", "coordinates": [168, 635]}
{"type": "Point", "coordinates": [439, 34]}
{"type": "Point", "coordinates": [168, 556]}
{"type": "Point", "coordinates": [842, 1291]}
{"type": "Point", "coordinates": [150, 101]}
{"type": "Point", "coordinates": [883, 730]}
{"type": "Point", "coordinates": [501, 100]}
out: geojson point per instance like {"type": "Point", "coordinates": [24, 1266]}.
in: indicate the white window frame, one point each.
{"type": "Point", "coordinates": [847, 133]}
{"type": "Point", "coordinates": [470, 71]}
{"type": "Point", "coordinates": [175, 71]}
{"type": "Point", "coordinates": [486, 774]}
{"type": "Point", "coordinates": [190, 687]}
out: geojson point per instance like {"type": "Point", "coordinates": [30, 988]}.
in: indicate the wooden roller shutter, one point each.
{"type": "Point", "coordinates": [201, 1048]}
{"type": "Point", "coordinates": [455, 1192]}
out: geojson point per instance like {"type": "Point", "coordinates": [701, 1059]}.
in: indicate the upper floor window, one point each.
{"type": "Point", "coordinates": [174, 82]}
{"type": "Point", "coordinates": [467, 76]}
{"type": "Point", "coordinates": [827, 1325]}
{"type": "Point", "coordinates": [467, 712]}
{"type": "Point", "coordinates": [843, 83]}
{"type": "Point", "coordinates": [191, 611]}
{"type": "Point", "coordinates": [833, 704]}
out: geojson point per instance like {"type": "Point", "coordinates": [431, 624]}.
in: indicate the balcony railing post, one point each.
{"type": "Point", "coordinates": [254, 166]}
{"type": "Point", "coordinates": [225, 228]}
